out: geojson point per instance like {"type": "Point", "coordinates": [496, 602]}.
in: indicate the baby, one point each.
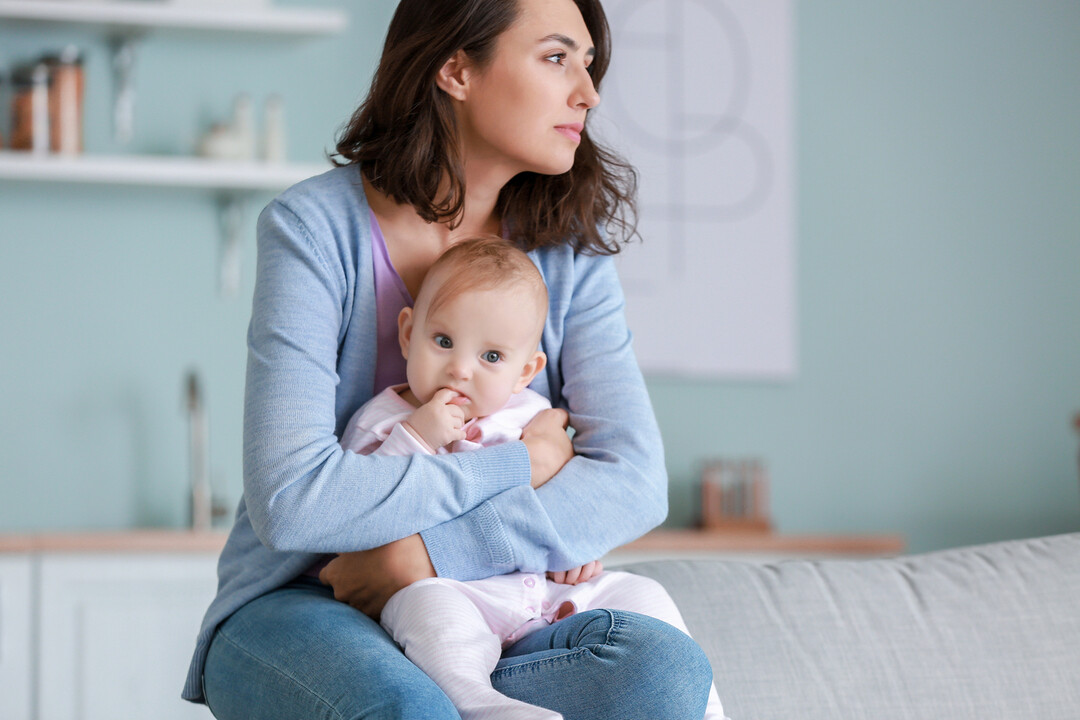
{"type": "Point", "coordinates": [470, 346]}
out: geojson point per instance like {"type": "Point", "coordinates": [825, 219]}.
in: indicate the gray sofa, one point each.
{"type": "Point", "coordinates": [985, 632]}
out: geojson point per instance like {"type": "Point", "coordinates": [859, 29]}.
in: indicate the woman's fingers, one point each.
{"type": "Point", "coordinates": [548, 444]}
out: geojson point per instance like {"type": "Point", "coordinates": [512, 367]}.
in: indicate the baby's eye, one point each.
{"type": "Point", "coordinates": [492, 356]}
{"type": "Point", "coordinates": [444, 342]}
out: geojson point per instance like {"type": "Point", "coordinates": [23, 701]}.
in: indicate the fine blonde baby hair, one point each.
{"type": "Point", "coordinates": [484, 262]}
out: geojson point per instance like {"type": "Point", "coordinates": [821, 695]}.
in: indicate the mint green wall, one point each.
{"type": "Point", "coordinates": [939, 282]}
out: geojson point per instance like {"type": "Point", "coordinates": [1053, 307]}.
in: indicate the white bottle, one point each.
{"type": "Point", "coordinates": [243, 127]}
{"type": "Point", "coordinates": [274, 130]}
{"type": "Point", "coordinates": [39, 102]}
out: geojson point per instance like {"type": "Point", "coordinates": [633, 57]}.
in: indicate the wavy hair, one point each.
{"type": "Point", "coordinates": [404, 134]}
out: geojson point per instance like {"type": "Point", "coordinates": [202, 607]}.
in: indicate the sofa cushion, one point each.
{"type": "Point", "coordinates": [991, 631]}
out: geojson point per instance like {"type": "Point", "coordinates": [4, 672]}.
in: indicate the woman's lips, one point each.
{"type": "Point", "coordinates": [572, 131]}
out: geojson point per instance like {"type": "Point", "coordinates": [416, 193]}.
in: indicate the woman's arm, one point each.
{"type": "Point", "coordinates": [303, 492]}
{"type": "Point", "coordinates": [614, 489]}
{"type": "Point", "coordinates": [367, 579]}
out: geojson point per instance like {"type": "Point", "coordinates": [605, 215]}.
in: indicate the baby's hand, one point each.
{"type": "Point", "coordinates": [577, 575]}
{"type": "Point", "coordinates": [439, 421]}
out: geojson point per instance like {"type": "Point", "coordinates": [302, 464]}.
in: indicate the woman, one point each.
{"type": "Point", "coordinates": [474, 123]}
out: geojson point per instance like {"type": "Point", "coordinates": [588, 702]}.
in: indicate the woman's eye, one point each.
{"type": "Point", "coordinates": [443, 341]}
{"type": "Point", "coordinates": [492, 356]}
{"type": "Point", "coordinates": [556, 58]}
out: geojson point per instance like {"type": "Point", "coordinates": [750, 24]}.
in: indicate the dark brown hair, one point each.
{"type": "Point", "coordinates": [404, 134]}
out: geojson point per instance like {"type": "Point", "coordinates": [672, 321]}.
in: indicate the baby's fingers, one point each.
{"type": "Point", "coordinates": [572, 576]}
{"type": "Point", "coordinates": [444, 396]}
{"type": "Point", "coordinates": [591, 570]}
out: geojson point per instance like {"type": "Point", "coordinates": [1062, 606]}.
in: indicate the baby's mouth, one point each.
{"type": "Point", "coordinates": [461, 399]}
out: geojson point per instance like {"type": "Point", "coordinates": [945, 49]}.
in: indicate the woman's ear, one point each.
{"type": "Point", "coordinates": [531, 370]}
{"type": "Point", "coordinates": [453, 77]}
{"type": "Point", "coordinates": [404, 330]}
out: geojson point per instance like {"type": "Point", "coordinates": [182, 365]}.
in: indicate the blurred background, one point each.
{"type": "Point", "coordinates": [937, 226]}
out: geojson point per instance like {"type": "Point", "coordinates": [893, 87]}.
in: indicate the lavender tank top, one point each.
{"type": "Point", "coordinates": [390, 297]}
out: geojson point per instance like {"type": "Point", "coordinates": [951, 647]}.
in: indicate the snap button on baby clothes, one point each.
{"type": "Point", "coordinates": [529, 582]}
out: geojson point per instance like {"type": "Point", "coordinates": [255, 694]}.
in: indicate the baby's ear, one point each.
{"type": "Point", "coordinates": [404, 330]}
{"type": "Point", "coordinates": [531, 370]}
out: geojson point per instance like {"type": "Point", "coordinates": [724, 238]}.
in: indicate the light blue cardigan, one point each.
{"type": "Point", "coordinates": [311, 360]}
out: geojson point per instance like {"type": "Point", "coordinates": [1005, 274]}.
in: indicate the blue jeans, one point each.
{"type": "Point", "coordinates": [297, 653]}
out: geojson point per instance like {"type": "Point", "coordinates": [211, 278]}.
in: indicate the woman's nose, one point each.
{"type": "Point", "coordinates": [585, 95]}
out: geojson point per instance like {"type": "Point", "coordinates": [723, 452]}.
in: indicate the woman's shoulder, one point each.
{"type": "Point", "coordinates": [340, 188]}
{"type": "Point", "coordinates": [564, 267]}
{"type": "Point", "coordinates": [328, 210]}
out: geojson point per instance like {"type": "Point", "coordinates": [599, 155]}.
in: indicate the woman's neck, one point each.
{"type": "Point", "coordinates": [414, 243]}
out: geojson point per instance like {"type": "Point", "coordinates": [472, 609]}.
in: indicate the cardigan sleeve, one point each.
{"type": "Point", "coordinates": [612, 491]}
{"type": "Point", "coordinates": [302, 490]}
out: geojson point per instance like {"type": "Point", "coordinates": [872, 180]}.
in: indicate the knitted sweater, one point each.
{"type": "Point", "coordinates": [311, 363]}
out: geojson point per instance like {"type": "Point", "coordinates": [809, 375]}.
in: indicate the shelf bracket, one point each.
{"type": "Point", "coordinates": [123, 67]}
{"type": "Point", "coordinates": [230, 218]}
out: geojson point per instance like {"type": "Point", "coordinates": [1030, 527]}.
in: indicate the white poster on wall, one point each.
{"type": "Point", "coordinates": [700, 99]}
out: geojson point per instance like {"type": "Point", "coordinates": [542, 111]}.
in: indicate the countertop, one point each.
{"type": "Point", "coordinates": [156, 540]}
{"type": "Point", "coordinates": [661, 540]}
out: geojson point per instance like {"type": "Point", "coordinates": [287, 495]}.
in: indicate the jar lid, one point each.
{"type": "Point", "coordinates": [31, 74]}
{"type": "Point", "coordinates": [70, 55]}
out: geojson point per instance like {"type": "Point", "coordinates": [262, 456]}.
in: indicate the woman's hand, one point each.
{"type": "Point", "coordinates": [548, 444]}
{"type": "Point", "coordinates": [366, 579]}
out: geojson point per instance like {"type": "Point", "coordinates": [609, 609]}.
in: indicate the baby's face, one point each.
{"type": "Point", "coordinates": [477, 344]}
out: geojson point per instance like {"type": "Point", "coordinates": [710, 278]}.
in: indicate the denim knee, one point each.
{"type": "Point", "coordinates": [677, 669]}
{"type": "Point", "coordinates": [411, 702]}
{"type": "Point", "coordinates": [590, 628]}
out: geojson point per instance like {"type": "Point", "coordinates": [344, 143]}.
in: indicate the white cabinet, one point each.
{"type": "Point", "coordinates": [100, 635]}
{"type": "Point", "coordinates": [16, 644]}
{"type": "Point", "coordinates": [116, 634]}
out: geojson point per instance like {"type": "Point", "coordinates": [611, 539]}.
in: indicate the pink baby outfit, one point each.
{"type": "Point", "coordinates": [455, 631]}
{"type": "Point", "coordinates": [376, 428]}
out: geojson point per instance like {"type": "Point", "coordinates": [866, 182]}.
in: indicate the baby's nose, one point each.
{"type": "Point", "coordinates": [458, 369]}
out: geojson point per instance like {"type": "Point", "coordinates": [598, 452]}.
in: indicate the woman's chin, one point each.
{"type": "Point", "coordinates": [553, 166]}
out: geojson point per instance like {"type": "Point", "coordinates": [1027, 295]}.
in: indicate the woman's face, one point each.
{"type": "Point", "coordinates": [526, 109]}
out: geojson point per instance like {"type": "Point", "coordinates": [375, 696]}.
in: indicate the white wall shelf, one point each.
{"type": "Point", "coordinates": [232, 181]}
{"type": "Point", "coordinates": [124, 22]}
{"type": "Point", "coordinates": [132, 16]}
{"type": "Point", "coordinates": [161, 171]}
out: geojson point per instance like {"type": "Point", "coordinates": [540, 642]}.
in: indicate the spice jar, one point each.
{"type": "Point", "coordinates": [47, 104]}
{"type": "Point", "coordinates": [3, 84]}
{"type": "Point", "coordinates": [66, 101]}
{"type": "Point", "coordinates": [30, 108]}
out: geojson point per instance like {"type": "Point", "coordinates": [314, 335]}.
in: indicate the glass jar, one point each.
{"type": "Point", "coordinates": [30, 108]}
{"type": "Point", "coordinates": [47, 104]}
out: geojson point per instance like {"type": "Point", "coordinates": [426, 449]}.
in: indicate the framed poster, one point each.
{"type": "Point", "coordinates": [699, 98]}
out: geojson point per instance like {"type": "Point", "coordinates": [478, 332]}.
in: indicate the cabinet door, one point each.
{"type": "Point", "coordinates": [117, 632]}
{"type": "Point", "coordinates": [16, 653]}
